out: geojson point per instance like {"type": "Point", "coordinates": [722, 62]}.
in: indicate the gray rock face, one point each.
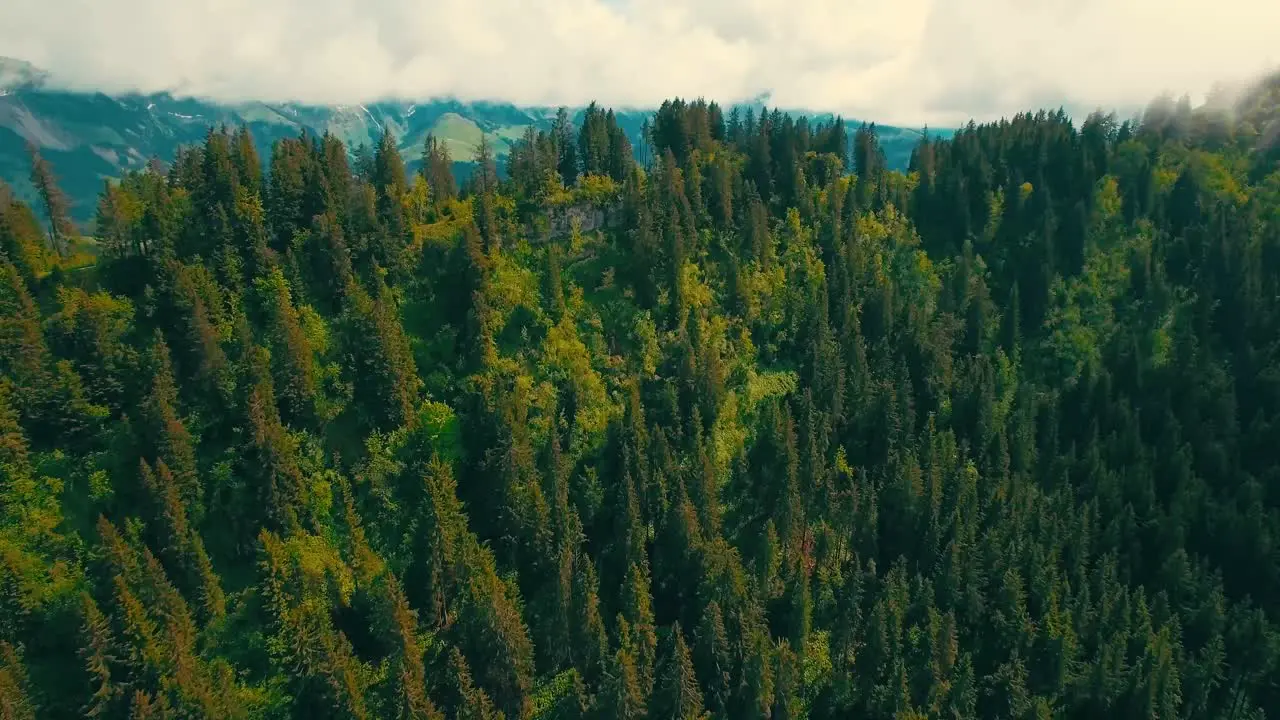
{"type": "Point", "coordinates": [587, 217]}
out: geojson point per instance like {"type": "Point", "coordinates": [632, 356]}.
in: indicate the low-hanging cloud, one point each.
{"type": "Point", "coordinates": [908, 62]}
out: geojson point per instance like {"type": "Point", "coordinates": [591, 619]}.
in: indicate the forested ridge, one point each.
{"type": "Point", "coordinates": [785, 434]}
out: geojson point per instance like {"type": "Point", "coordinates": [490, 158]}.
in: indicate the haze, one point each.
{"type": "Point", "coordinates": [907, 62]}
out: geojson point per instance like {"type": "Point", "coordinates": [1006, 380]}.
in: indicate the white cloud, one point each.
{"type": "Point", "coordinates": [898, 61]}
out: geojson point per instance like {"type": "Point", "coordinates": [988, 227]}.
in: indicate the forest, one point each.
{"type": "Point", "coordinates": [739, 423]}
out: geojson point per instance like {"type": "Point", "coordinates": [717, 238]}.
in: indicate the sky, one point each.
{"type": "Point", "coordinates": [903, 62]}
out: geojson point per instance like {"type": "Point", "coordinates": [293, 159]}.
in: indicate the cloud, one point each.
{"type": "Point", "coordinates": [896, 61]}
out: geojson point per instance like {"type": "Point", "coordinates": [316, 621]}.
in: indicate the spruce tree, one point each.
{"type": "Point", "coordinates": [56, 205]}
{"type": "Point", "coordinates": [677, 694]}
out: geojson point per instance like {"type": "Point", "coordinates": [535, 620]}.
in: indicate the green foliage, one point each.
{"type": "Point", "coordinates": [990, 438]}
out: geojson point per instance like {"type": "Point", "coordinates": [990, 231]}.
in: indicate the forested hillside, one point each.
{"type": "Point", "coordinates": [750, 429]}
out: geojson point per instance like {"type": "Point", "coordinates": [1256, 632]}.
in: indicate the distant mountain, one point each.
{"type": "Point", "coordinates": [90, 137]}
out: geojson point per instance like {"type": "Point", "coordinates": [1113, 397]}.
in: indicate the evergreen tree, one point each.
{"type": "Point", "coordinates": [437, 168]}
{"type": "Point", "coordinates": [677, 694]}
{"type": "Point", "coordinates": [15, 701]}
{"type": "Point", "coordinates": [56, 205]}
{"type": "Point", "coordinates": [409, 700]}
{"type": "Point", "coordinates": [377, 358]}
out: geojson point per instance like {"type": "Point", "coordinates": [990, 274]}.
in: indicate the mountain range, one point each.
{"type": "Point", "coordinates": [90, 137]}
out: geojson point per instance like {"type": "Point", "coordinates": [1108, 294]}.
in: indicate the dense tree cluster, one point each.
{"type": "Point", "coordinates": [787, 434]}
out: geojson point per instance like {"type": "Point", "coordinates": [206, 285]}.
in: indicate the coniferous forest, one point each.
{"type": "Point", "coordinates": [736, 423]}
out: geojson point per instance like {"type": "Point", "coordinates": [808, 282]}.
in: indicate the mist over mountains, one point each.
{"type": "Point", "coordinates": [90, 137]}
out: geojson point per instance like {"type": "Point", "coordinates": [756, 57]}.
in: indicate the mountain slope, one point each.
{"type": "Point", "coordinates": [997, 441]}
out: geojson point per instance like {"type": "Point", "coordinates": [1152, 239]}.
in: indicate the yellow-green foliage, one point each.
{"type": "Point", "coordinates": [315, 571]}
{"type": "Point", "coordinates": [438, 426]}
{"type": "Point", "coordinates": [22, 239]}
{"type": "Point", "coordinates": [319, 497]}
{"type": "Point", "coordinates": [1225, 177]}
{"type": "Point", "coordinates": [512, 285]}
{"type": "Point", "coordinates": [806, 274]}
{"type": "Point", "coordinates": [1162, 341]}
{"type": "Point", "coordinates": [1083, 312]}
{"type": "Point", "coordinates": [35, 562]}
{"type": "Point", "coordinates": [1106, 202]}
{"type": "Point", "coordinates": [995, 211]}
{"type": "Point", "coordinates": [33, 575]}
{"type": "Point", "coordinates": [315, 328]}
{"type": "Point", "coordinates": [728, 434]}
{"type": "Point", "coordinates": [95, 326]}
{"type": "Point", "coordinates": [443, 225]}
{"type": "Point", "coordinates": [553, 192]}
{"type": "Point", "coordinates": [763, 385]}
{"type": "Point", "coordinates": [696, 293]}
{"type": "Point", "coordinates": [596, 189]}
{"type": "Point", "coordinates": [762, 293]}
{"type": "Point", "coordinates": [416, 202]}
{"type": "Point", "coordinates": [75, 303]}
{"type": "Point", "coordinates": [565, 353]}
{"type": "Point", "coordinates": [731, 430]}
{"type": "Point", "coordinates": [817, 659]}
{"type": "Point", "coordinates": [1006, 388]}
{"type": "Point", "coordinates": [898, 262]}
{"type": "Point", "coordinates": [548, 699]}
{"type": "Point", "coordinates": [645, 336]}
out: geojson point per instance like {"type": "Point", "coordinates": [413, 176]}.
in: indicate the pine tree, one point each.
{"type": "Point", "coordinates": [165, 432]}
{"type": "Point", "coordinates": [677, 695]}
{"type": "Point", "coordinates": [160, 633]}
{"type": "Point", "coordinates": [197, 304]}
{"type": "Point", "coordinates": [22, 239]}
{"type": "Point", "coordinates": [24, 357]}
{"type": "Point", "coordinates": [409, 700]}
{"type": "Point", "coordinates": [567, 148]}
{"type": "Point", "coordinates": [93, 332]}
{"type": "Point", "coordinates": [589, 648]}
{"type": "Point", "coordinates": [180, 544]}
{"type": "Point", "coordinates": [787, 684]}
{"type": "Point", "coordinates": [643, 639]}
{"type": "Point", "coordinates": [98, 653]}
{"type": "Point", "coordinates": [325, 675]}
{"type": "Point", "coordinates": [294, 366]}
{"type": "Point", "coordinates": [145, 706]}
{"type": "Point", "coordinates": [377, 358]}
{"type": "Point", "coordinates": [621, 695]}
{"type": "Point", "coordinates": [469, 701]}
{"type": "Point", "coordinates": [621, 160]}
{"type": "Point", "coordinates": [437, 168]}
{"type": "Point", "coordinates": [57, 207]}
{"type": "Point", "coordinates": [485, 178]}
{"type": "Point", "coordinates": [593, 141]}
{"type": "Point", "coordinates": [492, 634]}
{"type": "Point", "coordinates": [437, 546]}
{"type": "Point", "coordinates": [554, 284]}
{"type": "Point", "coordinates": [271, 454]}
{"type": "Point", "coordinates": [389, 176]}
{"type": "Point", "coordinates": [712, 659]}
{"type": "Point", "coordinates": [248, 164]}
{"type": "Point", "coordinates": [15, 699]}
{"type": "Point", "coordinates": [868, 163]}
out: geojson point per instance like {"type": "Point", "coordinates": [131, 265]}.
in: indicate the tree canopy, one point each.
{"type": "Point", "coordinates": [751, 427]}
